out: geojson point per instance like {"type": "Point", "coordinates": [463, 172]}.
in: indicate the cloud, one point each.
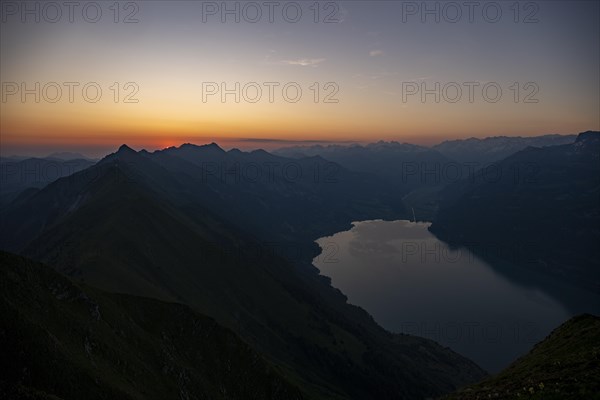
{"type": "Point", "coordinates": [304, 62]}
{"type": "Point", "coordinates": [375, 53]}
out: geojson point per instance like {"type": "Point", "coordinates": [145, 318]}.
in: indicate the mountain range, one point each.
{"type": "Point", "coordinates": [496, 148]}
{"type": "Point", "coordinates": [165, 225]}
{"type": "Point", "coordinates": [226, 238]}
{"type": "Point", "coordinates": [418, 173]}
{"type": "Point", "coordinates": [473, 150]}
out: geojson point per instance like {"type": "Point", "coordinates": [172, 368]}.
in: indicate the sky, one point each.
{"type": "Point", "coordinates": [154, 74]}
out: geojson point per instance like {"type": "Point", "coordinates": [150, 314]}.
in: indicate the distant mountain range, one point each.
{"type": "Point", "coordinates": [16, 175]}
{"type": "Point", "coordinates": [418, 173]}
{"type": "Point", "coordinates": [399, 163]}
{"type": "Point", "coordinates": [376, 157]}
{"type": "Point", "coordinates": [62, 156]}
{"type": "Point", "coordinates": [184, 225]}
{"type": "Point", "coordinates": [66, 155]}
{"type": "Point", "coordinates": [496, 148]}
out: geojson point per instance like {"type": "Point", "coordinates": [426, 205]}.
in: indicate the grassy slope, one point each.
{"type": "Point", "coordinates": [58, 338]}
{"type": "Point", "coordinates": [565, 365]}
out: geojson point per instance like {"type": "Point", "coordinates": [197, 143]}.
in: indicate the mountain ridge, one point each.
{"type": "Point", "coordinates": [536, 191]}
{"type": "Point", "coordinates": [147, 224]}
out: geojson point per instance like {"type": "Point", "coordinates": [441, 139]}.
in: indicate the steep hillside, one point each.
{"type": "Point", "coordinates": [59, 339]}
{"type": "Point", "coordinates": [564, 366]}
{"type": "Point", "coordinates": [538, 209]}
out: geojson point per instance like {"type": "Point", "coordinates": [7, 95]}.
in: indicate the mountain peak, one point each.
{"type": "Point", "coordinates": [588, 136]}
{"type": "Point", "coordinates": [125, 149]}
{"type": "Point", "coordinates": [213, 146]}
{"type": "Point", "coordinates": [210, 146]}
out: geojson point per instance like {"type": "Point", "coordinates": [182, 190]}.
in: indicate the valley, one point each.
{"type": "Point", "coordinates": [184, 225]}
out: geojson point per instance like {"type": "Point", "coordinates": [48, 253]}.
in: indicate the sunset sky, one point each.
{"type": "Point", "coordinates": [371, 53]}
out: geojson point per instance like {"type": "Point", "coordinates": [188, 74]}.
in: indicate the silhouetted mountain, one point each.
{"type": "Point", "coordinates": [290, 199]}
{"type": "Point", "coordinates": [68, 340]}
{"type": "Point", "coordinates": [16, 176]}
{"type": "Point", "coordinates": [564, 366]}
{"type": "Point", "coordinates": [66, 156]}
{"type": "Point", "coordinates": [412, 172]}
{"type": "Point", "coordinates": [537, 208]}
{"type": "Point", "coordinates": [491, 149]}
{"type": "Point", "coordinates": [418, 173]}
{"type": "Point", "coordinates": [400, 163]}
{"type": "Point", "coordinates": [170, 225]}
{"type": "Point", "coordinates": [14, 158]}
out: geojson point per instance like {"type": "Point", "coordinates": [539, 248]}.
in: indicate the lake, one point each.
{"type": "Point", "coordinates": [411, 282]}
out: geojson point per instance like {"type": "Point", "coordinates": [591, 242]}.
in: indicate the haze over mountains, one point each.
{"type": "Point", "coordinates": [496, 148]}
{"type": "Point", "coordinates": [159, 225]}
{"type": "Point", "coordinates": [19, 174]}
{"type": "Point", "coordinates": [398, 163]}
{"type": "Point", "coordinates": [472, 150]}
{"type": "Point", "coordinates": [418, 173]}
{"type": "Point", "coordinates": [230, 235]}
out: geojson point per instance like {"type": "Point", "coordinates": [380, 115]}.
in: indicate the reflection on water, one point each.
{"type": "Point", "coordinates": [412, 282]}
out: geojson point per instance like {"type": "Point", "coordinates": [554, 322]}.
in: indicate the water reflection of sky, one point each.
{"type": "Point", "coordinates": [412, 282]}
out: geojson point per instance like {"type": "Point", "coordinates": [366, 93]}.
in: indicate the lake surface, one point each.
{"type": "Point", "coordinates": [411, 282]}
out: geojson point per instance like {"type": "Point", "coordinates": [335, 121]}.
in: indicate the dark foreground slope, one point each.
{"type": "Point", "coordinates": [538, 208]}
{"type": "Point", "coordinates": [58, 338]}
{"type": "Point", "coordinates": [565, 365]}
{"type": "Point", "coordinates": [134, 225]}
